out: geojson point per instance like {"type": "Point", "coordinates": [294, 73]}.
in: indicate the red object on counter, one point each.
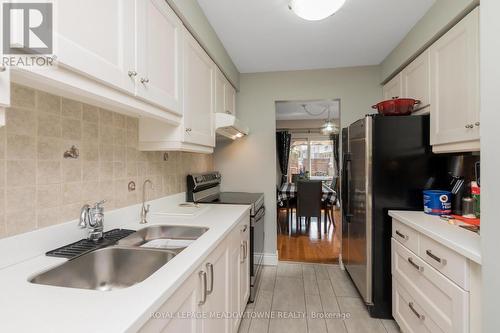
{"type": "Point", "coordinates": [476, 221]}
{"type": "Point", "coordinates": [396, 106]}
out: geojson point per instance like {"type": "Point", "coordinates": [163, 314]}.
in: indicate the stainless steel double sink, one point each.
{"type": "Point", "coordinates": [128, 262]}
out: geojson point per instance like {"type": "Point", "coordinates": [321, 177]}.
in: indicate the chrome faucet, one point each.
{"type": "Point", "coordinates": [93, 219]}
{"type": "Point", "coordinates": [145, 209]}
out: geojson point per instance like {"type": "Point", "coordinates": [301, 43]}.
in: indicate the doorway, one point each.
{"type": "Point", "coordinates": [307, 133]}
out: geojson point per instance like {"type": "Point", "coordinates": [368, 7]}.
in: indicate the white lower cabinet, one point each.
{"type": "Point", "coordinates": [212, 298]}
{"type": "Point", "coordinates": [430, 293]}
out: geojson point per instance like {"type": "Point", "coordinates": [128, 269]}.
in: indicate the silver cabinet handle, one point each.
{"type": "Point", "coordinates": [2, 68]}
{"type": "Point", "coordinates": [415, 312]}
{"type": "Point", "coordinates": [144, 80]}
{"type": "Point", "coordinates": [210, 269]}
{"type": "Point", "coordinates": [477, 124]}
{"type": "Point", "coordinates": [203, 277]}
{"type": "Point", "coordinates": [469, 126]}
{"type": "Point", "coordinates": [245, 243]}
{"type": "Point", "coordinates": [132, 73]}
{"type": "Point", "coordinates": [417, 267]}
{"type": "Point", "coordinates": [405, 237]}
{"type": "Point", "coordinates": [228, 112]}
{"type": "Point", "coordinates": [435, 257]}
{"type": "Point", "coordinates": [245, 227]}
{"type": "Point", "coordinates": [242, 251]}
{"type": "Point", "coordinates": [188, 129]}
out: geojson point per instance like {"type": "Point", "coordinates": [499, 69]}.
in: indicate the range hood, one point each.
{"type": "Point", "coordinates": [229, 126]}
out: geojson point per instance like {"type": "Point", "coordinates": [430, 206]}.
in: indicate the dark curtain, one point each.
{"type": "Point", "coordinates": [335, 140]}
{"type": "Point", "coordinates": [283, 141]}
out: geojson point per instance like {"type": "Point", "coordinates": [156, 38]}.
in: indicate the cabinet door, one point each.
{"type": "Point", "coordinates": [244, 266]}
{"type": "Point", "coordinates": [235, 255]}
{"type": "Point", "coordinates": [455, 83]}
{"type": "Point", "coordinates": [220, 86]}
{"type": "Point", "coordinates": [230, 98]}
{"type": "Point", "coordinates": [96, 39]}
{"type": "Point", "coordinates": [159, 41]}
{"type": "Point", "coordinates": [217, 301]}
{"type": "Point", "coordinates": [416, 80]}
{"type": "Point", "coordinates": [184, 301]}
{"type": "Point", "coordinates": [393, 88]}
{"type": "Point", "coordinates": [198, 94]}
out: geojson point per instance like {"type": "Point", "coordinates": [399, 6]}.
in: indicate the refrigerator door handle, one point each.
{"type": "Point", "coordinates": [346, 163]}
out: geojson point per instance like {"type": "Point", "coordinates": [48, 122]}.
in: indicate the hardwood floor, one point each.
{"type": "Point", "coordinates": [308, 246]}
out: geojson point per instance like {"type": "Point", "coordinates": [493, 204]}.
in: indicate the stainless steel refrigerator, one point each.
{"type": "Point", "coordinates": [387, 162]}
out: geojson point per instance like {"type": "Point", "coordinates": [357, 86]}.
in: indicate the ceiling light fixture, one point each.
{"type": "Point", "coordinates": [315, 10]}
{"type": "Point", "coordinates": [329, 127]}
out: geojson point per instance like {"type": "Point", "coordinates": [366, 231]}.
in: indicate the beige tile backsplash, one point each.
{"type": "Point", "coordinates": [39, 188]}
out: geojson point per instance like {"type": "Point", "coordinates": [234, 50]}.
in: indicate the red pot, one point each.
{"type": "Point", "coordinates": [396, 106]}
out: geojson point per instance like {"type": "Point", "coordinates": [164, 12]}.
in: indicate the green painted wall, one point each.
{"type": "Point", "coordinates": [197, 23]}
{"type": "Point", "coordinates": [440, 17]}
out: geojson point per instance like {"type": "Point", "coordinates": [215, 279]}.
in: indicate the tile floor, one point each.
{"type": "Point", "coordinates": [316, 295]}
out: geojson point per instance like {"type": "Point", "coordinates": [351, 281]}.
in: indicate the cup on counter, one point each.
{"type": "Point", "coordinates": [468, 208]}
{"type": "Point", "coordinates": [437, 202]}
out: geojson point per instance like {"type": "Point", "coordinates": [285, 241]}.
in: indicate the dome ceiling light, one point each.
{"type": "Point", "coordinates": [315, 10]}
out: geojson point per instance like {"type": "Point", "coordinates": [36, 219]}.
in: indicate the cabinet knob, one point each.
{"type": "Point", "coordinates": [3, 68]}
{"type": "Point", "coordinates": [228, 112]}
{"type": "Point", "coordinates": [469, 126]}
{"type": "Point", "coordinates": [144, 80]}
{"type": "Point", "coordinates": [132, 73]}
{"type": "Point", "coordinates": [188, 129]}
{"type": "Point", "coordinates": [477, 124]}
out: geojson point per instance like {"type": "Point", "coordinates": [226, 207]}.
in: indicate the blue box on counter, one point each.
{"type": "Point", "coordinates": [437, 202]}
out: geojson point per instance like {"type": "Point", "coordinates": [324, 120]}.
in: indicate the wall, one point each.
{"type": "Point", "coordinates": [490, 163]}
{"type": "Point", "coordinates": [197, 23]}
{"type": "Point", "coordinates": [440, 17]}
{"type": "Point", "coordinates": [298, 124]}
{"type": "Point", "coordinates": [39, 188]}
{"type": "Point", "coordinates": [249, 164]}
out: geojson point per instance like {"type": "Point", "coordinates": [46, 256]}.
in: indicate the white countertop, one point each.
{"type": "Point", "coordinates": [39, 308]}
{"type": "Point", "coordinates": [465, 242]}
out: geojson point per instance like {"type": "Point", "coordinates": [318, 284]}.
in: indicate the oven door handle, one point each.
{"type": "Point", "coordinates": [260, 214]}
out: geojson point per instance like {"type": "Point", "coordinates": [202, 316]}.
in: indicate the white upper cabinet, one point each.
{"type": "Point", "coordinates": [230, 98]}
{"type": "Point", "coordinates": [454, 60]}
{"type": "Point", "coordinates": [225, 95]}
{"type": "Point", "coordinates": [96, 38]}
{"type": "Point", "coordinates": [220, 83]}
{"type": "Point", "coordinates": [416, 80]}
{"type": "Point", "coordinates": [159, 59]}
{"type": "Point", "coordinates": [198, 94]}
{"type": "Point", "coordinates": [393, 88]}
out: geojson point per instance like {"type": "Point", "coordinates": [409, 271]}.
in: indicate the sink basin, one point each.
{"type": "Point", "coordinates": [142, 237]}
{"type": "Point", "coordinates": [106, 269]}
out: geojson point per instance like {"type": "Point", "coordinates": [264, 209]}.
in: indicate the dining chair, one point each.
{"type": "Point", "coordinates": [328, 206]}
{"type": "Point", "coordinates": [309, 194]}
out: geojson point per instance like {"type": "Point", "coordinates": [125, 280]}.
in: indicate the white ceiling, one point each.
{"type": "Point", "coordinates": [293, 110]}
{"type": "Point", "coordinates": [264, 35]}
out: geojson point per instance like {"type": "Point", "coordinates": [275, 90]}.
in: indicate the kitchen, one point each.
{"type": "Point", "coordinates": [185, 111]}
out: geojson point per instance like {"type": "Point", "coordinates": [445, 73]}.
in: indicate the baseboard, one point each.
{"type": "Point", "coordinates": [270, 259]}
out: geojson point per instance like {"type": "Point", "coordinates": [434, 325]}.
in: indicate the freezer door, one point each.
{"type": "Point", "coordinates": [358, 261]}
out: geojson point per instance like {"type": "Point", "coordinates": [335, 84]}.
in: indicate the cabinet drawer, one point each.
{"type": "Point", "coordinates": [445, 260]}
{"type": "Point", "coordinates": [443, 301]}
{"type": "Point", "coordinates": [409, 314]}
{"type": "Point", "coordinates": [405, 235]}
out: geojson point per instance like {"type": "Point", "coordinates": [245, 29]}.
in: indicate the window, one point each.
{"type": "Point", "coordinates": [313, 155]}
